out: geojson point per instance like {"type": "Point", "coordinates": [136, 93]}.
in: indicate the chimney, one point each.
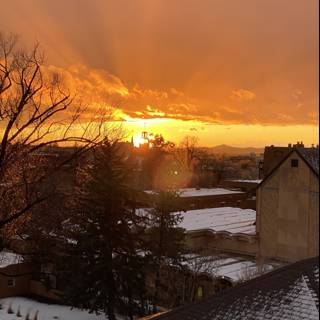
{"type": "Point", "coordinates": [312, 145]}
{"type": "Point", "coordinates": [299, 144]}
{"type": "Point", "coordinates": [290, 145]}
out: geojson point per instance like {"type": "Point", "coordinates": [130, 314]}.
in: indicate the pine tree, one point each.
{"type": "Point", "coordinates": [105, 231]}
{"type": "Point", "coordinates": [166, 240]}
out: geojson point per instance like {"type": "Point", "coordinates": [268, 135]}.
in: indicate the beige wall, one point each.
{"type": "Point", "coordinates": [288, 213]}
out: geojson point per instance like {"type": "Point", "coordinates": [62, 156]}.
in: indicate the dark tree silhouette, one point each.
{"type": "Point", "coordinates": [104, 266]}
{"type": "Point", "coordinates": [166, 240]}
{"type": "Point", "coordinates": [35, 111]}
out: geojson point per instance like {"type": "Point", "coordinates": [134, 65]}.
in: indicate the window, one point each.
{"type": "Point", "coordinates": [200, 292]}
{"type": "Point", "coordinates": [294, 163]}
{"type": "Point", "coordinates": [12, 282]}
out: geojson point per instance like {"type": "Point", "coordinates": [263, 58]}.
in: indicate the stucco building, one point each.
{"type": "Point", "coordinates": [288, 207]}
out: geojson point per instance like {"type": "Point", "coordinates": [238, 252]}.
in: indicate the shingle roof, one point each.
{"type": "Point", "coordinates": [290, 292]}
{"type": "Point", "coordinates": [311, 155]}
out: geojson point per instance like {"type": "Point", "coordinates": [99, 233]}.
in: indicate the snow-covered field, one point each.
{"type": "Point", "coordinates": [45, 311]}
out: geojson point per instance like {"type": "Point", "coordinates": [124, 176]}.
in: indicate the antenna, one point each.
{"type": "Point", "coordinates": [144, 133]}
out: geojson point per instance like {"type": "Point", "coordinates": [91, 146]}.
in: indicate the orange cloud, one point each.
{"type": "Point", "coordinates": [243, 94]}
{"type": "Point", "coordinates": [175, 59]}
{"type": "Point", "coordinates": [98, 88]}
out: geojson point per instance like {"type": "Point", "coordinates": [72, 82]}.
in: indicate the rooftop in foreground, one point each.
{"type": "Point", "coordinates": [290, 292]}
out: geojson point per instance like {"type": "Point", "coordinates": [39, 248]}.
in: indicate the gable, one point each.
{"type": "Point", "coordinates": [295, 154]}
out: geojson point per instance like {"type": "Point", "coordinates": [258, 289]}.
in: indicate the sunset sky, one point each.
{"type": "Point", "coordinates": [243, 73]}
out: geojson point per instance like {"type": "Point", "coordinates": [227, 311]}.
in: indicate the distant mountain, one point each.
{"type": "Point", "coordinates": [225, 149]}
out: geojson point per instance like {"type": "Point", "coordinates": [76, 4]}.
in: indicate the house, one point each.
{"type": "Point", "coordinates": [199, 198]}
{"type": "Point", "coordinates": [288, 207]}
{"type": "Point", "coordinates": [273, 155]}
{"type": "Point", "coordinates": [199, 277]}
{"type": "Point", "coordinates": [15, 275]}
{"type": "Point", "coordinates": [290, 292]}
{"type": "Point", "coordinates": [245, 185]}
{"type": "Point", "coordinates": [19, 277]}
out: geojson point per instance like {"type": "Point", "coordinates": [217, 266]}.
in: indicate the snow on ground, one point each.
{"type": "Point", "coordinates": [8, 258]}
{"type": "Point", "coordinates": [203, 192]}
{"type": "Point", "coordinates": [228, 219]}
{"type": "Point", "coordinates": [45, 311]}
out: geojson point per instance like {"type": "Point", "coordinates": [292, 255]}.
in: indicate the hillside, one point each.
{"type": "Point", "coordinates": [225, 149]}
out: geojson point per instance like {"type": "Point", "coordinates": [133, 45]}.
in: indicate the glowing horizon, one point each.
{"type": "Point", "coordinates": [219, 134]}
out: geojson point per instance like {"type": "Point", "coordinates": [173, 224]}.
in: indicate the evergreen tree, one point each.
{"type": "Point", "coordinates": [102, 265]}
{"type": "Point", "coordinates": [166, 240]}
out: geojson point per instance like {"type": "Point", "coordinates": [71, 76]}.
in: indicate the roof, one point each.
{"type": "Point", "coordinates": [231, 267]}
{"type": "Point", "coordinates": [257, 181]}
{"type": "Point", "coordinates": [203, 192]}
{"type": "Point", "coordinates": [8, 258]}
{"type": "Point", "coordinates": [290, 292]}
{"type": "Point", "coordinates": [309, 155]}
{"type": "Point", "coordinates": [226, 220]}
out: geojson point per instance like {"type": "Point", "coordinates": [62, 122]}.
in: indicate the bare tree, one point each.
{"type": "Point", "coordinates": [250, 272]}
{"type": "Point", "coordinates": [186, 155]}
{"type": "Point", "coordinates": [36, 111]}
{"type": "Point", "coordinates": [199, 265]}
{"type": "Point", "coordinates": [190, 146]}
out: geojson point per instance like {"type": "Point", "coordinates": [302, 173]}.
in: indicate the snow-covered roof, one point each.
{"type": "Point", "coordinates": [8, 258]}
{"type": "Point", "coordinates": [246, 181]}
{"type": "Point", "coordinates": [290, 292]}
{"type": "Point", "coordinates": [203, 192]}
{"type": "Point", "coordinates": [230, 267]}
{"type": "Point", "coordinates": [225, 219]}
